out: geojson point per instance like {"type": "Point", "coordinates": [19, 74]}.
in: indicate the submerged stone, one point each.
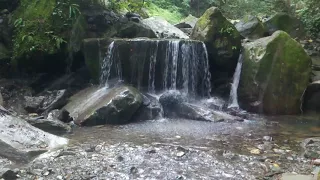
{"type": "Point", "coordinates": [275, 73]}
{"type": "Point", "coordinates": [98, 106]}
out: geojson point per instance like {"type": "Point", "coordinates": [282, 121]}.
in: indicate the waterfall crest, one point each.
{"type": "Point", "coordinates": [157, 65]}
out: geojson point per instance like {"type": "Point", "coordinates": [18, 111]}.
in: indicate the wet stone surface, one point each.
{"type": "Point", "coordinates": [175, 149]}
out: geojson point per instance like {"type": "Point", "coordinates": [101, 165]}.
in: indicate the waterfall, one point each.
{"type": "Point", "coordinates": [234, 87]}
{"type": "Point", "coordinates": [158, 65]}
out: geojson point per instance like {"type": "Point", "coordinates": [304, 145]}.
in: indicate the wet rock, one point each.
{"type": "Point", "coordinates": [222, 39]}
{"type": "Point", "coordinates": [175, 105]}
{"type": "Point", "coordinates": [20, 141]}
{"type": "Point", "coordinates": [251, 27]}
{"type": "Point", "coordinates": [163, 29]}
{"type": "Point", "coordinates": [285, 22]}
{"type": "Point", "coordinates": [267, 84]}
{"type": "Point", "coordinates": [267, 138]}
{"type": "Point", "coordinates": [54, 100]}
{"type": "Point", "coordinates": [32, 104]}
{"type": "Point", "coordinates": [53, 126]}
{"type": "Point", "coordinates": [48, 101]}
{"type": "Point", "coordinates": [150, 109]}
{"type": "Point", "coordinates": [104, 106]}
{"type": "Point", "coordinates": [8, 174]}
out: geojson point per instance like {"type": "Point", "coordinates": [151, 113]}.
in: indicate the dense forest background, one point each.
{"type": "Point", "coordinates": [175, 10]}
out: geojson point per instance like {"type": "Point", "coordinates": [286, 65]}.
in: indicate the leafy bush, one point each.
{"type": "Point", "coordinates": [40, 25]}
{"type": "Point", "coordinates": [310, 15]}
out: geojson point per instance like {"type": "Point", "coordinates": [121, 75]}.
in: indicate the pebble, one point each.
{"type": "Point", "coordinates": [255, 151]}
{"type": "Point", "coordinates": [316, 162]}
{"type": "Point", "coordinates": [180, 154]}
{"type": "Point", "coordinates": [59, 177]}
{"type": "Point", "coordinates": [267, 138]}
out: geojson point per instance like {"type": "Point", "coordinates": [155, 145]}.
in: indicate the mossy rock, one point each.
{"type": "Point", "coordinates": [275, 73]}
{"type": "Point", "coordinates": [222, 39]}
{"type": "Point", "coordinates": [285, 22]}
{"type": "Point", "coordinates": [251, 27]}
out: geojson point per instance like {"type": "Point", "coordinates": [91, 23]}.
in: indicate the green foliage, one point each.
{"type": "Point", "coordinates": [130, 5]}
{"type": "Point", "coordinates": [41, 26]}
{"type": "Point", "coordinates": [310, 15]}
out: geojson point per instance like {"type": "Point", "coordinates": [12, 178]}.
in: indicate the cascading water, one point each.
{"type": "Point", "coordinates": [159, 65]}
{"type": "Point", "coordinates": [106, 65]}
{"type": "Point", "coordinates": [233, 102]}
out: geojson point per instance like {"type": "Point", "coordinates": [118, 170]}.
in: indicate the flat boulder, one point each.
{"type": "Point", "coordinates": [20, 141]}
{"type": "Point", "coordinates": [99, 106]}
{"type": "Point", "coordinates": [163, 29]}
{"type": "Point", "coordinates": [275, 73]}
{"type": "Point", "coordinates": [251, 27]}
{"type": "Point", "coordinates": [285, 22]}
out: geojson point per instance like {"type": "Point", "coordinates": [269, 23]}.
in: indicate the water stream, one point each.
{"type": "Point", "coordinates": [233, 102]}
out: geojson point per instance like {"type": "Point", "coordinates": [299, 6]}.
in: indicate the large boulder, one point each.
{"type": "Point", "coordinates": [164, 29]}
{"type": "Point", "coordinates": [311, 97]}
{"type": "Point", "coordinates": [222, 39]}
{"type": "Point", "coordinates": [98, 106]}
{"type": "Point", "coordinates": [285, 22]}
{"type": "Point", "coordinates": [275, 73]}
{"type": "Point", "coordinates": [251, 27]}
{"type": "Point", "coordinates": [130, 29]}
{"type": "Point", "coordinates": [19, 141]}
{"type": "Point", "coordinates": [188, 22]}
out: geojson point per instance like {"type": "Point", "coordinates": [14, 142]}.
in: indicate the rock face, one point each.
{"type": "Point", "coordinates": [311, 97]}
{"type": "Point", "coordinates": [164, 29]}
{"type": "Point", "coordinates": [21, 141]}
{"type": "Point", "coordinates": [275, 73]}
{"type": "Point", "coordinates": [98, 106]}
{"type": "Point", "coordinates": [251, 27]}
{"type": "Point", "coordinates": [222, 39]}
{"type": "Point", "coordinates": [287, 23]}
